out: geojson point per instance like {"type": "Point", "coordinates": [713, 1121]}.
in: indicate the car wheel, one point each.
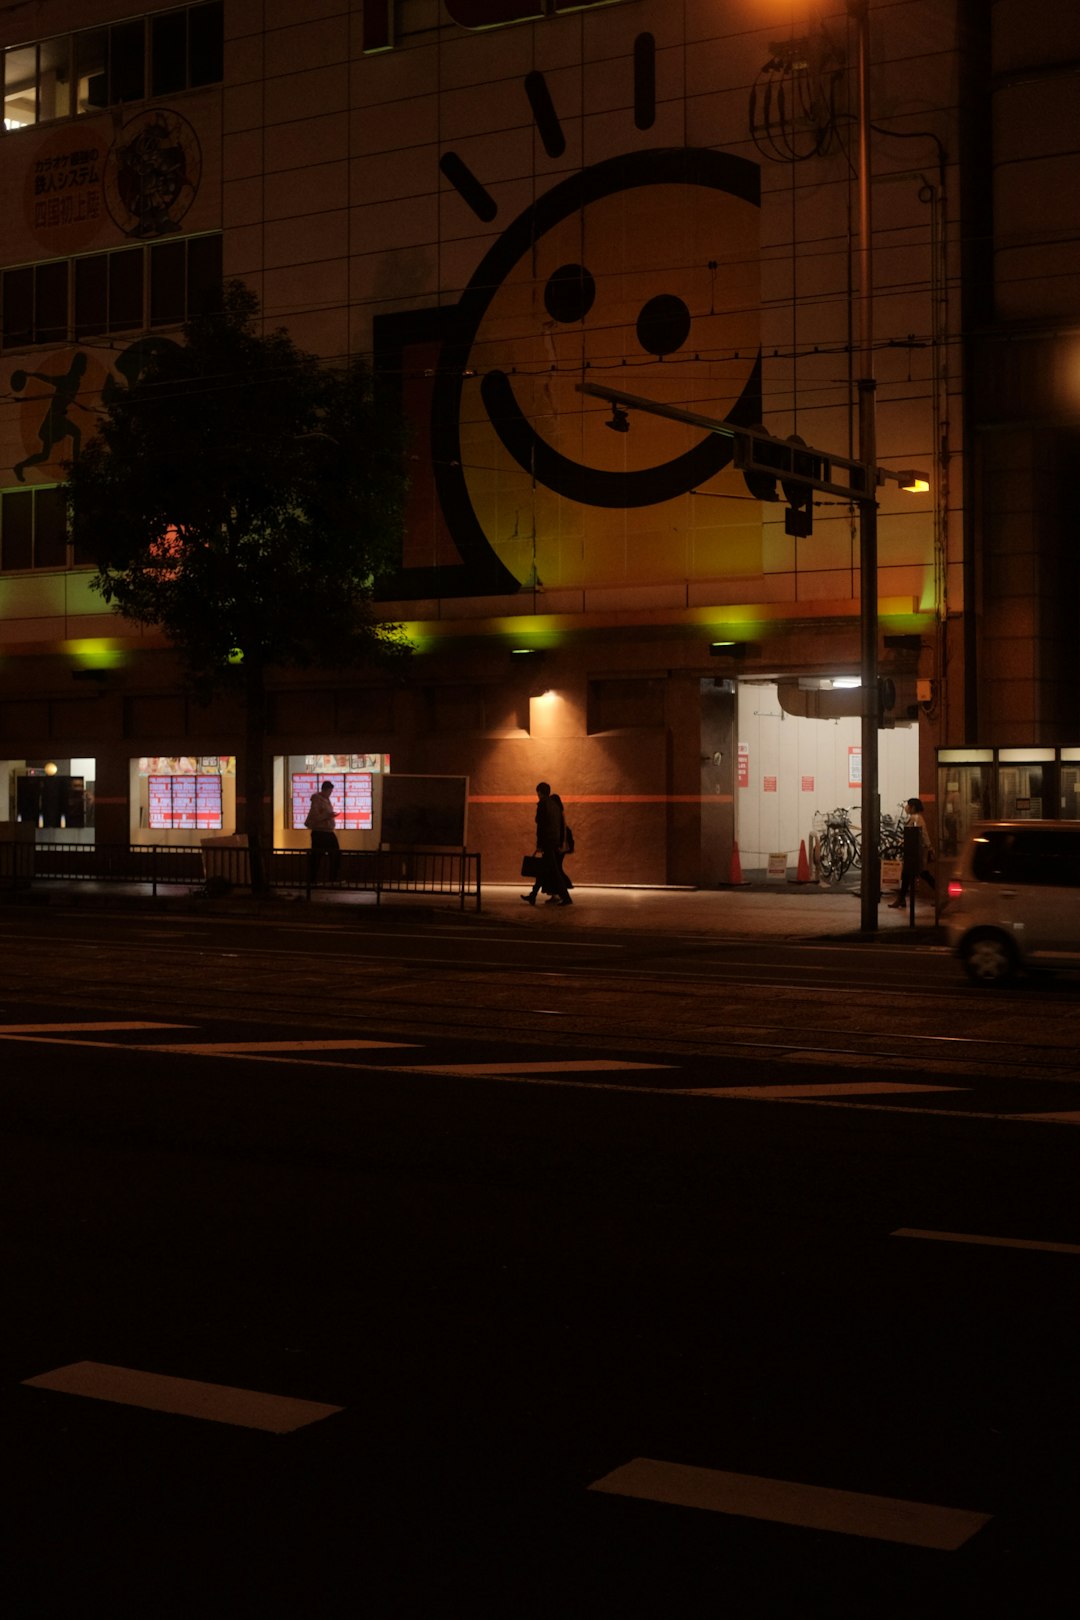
{"type": "Point", "coordinates": [988, 958]}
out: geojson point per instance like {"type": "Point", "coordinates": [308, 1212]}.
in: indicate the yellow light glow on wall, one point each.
{"type": "Point", "coordinates": [96, 652]}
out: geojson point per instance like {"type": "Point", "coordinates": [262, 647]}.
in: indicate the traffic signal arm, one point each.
{"type": "Point", "coordinates": [758, 453]}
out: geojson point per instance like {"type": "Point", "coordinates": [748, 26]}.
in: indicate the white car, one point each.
{"type": "Point", "coordinates": [1014, 902]}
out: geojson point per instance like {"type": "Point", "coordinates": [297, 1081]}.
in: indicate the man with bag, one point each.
{"type": "Point", "coordinates": [321, 820]}
{"type": "Point", "coordinates": [550, 839]}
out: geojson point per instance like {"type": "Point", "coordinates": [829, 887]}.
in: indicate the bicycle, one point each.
{"type": "Point", "coordinates": [891, 839]}
{"type": "Point", "coordinates": [838, 844]}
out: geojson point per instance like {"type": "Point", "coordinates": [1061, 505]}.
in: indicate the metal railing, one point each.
{"type": "Point", "coordinates": [439, 873]}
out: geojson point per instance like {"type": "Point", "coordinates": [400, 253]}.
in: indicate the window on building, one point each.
{"type": "Point", "coordinates": [106, 67]}
{"type": "Point", "coordinates": [185, 279]}
{"type": "Point", "coordinates": [33, 529]}
{"type": "Point", "coordinates": [37, 82]}
{"type": "Point", "coordinates": [50, 302]}
{"type": "Point", "coordinates": [129, 290]}
{"type": "Point", "coordinates": [126, 279]}
{"type": "Point", "coordinates": [167, 293]}
{"type": "Point", "coordinates": [168, 49]}
{"type": "Point", "coordinates": [18, 312]}
{"type": "Point", "coordinates": [35, 304]}
{"type": "Point", "coordinates": [187, 49]}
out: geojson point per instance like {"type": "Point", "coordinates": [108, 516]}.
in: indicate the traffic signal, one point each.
{"type": "Point", "coordinates": [756, 457]}
{"type": "Point", "coordinates": [799, 517]}
{"type": "Point", "coordinates": [764, 462]}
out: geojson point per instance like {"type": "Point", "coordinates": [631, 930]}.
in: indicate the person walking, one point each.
{"type": "Point", "coordinates": [917, 855]}
{"type": "Point", "coordinates": [550, 838]}
{"type": "Point", "coordinates": [321, 820]}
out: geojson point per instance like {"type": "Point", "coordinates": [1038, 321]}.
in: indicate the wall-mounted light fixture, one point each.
{"type": "Point", "coordinates": [51, 768]}
{"type": "Point", "coordinates": [914, 482]}
{"type": "Point", "coordinates": [727, 649]}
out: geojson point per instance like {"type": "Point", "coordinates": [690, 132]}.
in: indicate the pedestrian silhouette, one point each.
{"type": "Point", "coordinates": [550, 841]}
{"type": "Point", "coordinates": [321, 820]}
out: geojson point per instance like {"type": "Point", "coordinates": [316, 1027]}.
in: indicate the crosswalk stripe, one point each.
{"type": "Point", "coordinates": [993, 1242]}
{"type": "Point", "coordinates": [553, 1066]}
{"type": "Point", "coordinates": [98, 1027]}
{"type": "Point", "coordinates": [834, 1088]}
{"type": "Point", "coordinates": [1070, 1117]}
{"type": "Point", "coordinates": [184, 1397]}
{"type": "Point", "coordinates": [213, 1048]}
{"type": "Point", "coordinates": [781, 1501]}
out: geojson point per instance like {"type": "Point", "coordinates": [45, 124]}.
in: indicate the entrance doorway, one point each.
{"type": "Point", "coordinates": [768, 771]}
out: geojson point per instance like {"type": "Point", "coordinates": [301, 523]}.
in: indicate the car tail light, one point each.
{"type": "Point", "coordinates": [955, 889]}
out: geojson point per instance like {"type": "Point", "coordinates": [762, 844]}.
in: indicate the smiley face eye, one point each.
{"type": "Point", "coordinates": [663, 325]}
{"type": "Point", "coordinates": [570, 293]}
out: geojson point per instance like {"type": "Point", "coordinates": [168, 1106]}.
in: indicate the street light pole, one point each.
{"type": "Point", "coordinates": [871, 803]}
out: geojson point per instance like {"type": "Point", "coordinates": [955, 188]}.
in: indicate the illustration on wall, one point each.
{"type": "Point", "coordinates": [144, 179]}
{"type": "Point", "coordinates": [641, 271]}
{"type": "Point", "coordinates": [58, 402]}
{"type": "Point", "coordinates": [152, 174]}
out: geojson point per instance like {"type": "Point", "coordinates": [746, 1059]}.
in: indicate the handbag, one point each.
{"type": "Point", "coordinates": [532, 866]}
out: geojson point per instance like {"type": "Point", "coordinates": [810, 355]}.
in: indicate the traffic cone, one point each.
{"type": "Point", "coordinates": [802, 874]}
{"type": "Point", "coordinates": [736, 867]}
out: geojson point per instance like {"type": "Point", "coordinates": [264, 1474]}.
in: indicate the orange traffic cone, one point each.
{"type": "Point", "coordinates": [802, 874]}
{"type": "Point", "coordinates": [736, 866]}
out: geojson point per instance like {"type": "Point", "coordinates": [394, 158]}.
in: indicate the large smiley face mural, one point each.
{"type": "Point", "coordinates": [640, 272]}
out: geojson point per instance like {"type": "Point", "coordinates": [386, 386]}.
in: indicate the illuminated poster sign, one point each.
{"type": "Point", "coordinates": [184, 803]}
{"type": "Point", "coordinates": [351, 798]}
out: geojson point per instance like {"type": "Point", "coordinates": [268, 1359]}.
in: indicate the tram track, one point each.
{"type": "Point", "coordinates": [602, 1008]}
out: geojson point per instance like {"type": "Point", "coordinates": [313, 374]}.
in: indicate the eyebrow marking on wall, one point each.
{"type": "Point", "coordinates": [547, 119]}
{"type": "Point", "coordinates": [644, 81]}
{"type": "Point", "coordinates": [467, 186]}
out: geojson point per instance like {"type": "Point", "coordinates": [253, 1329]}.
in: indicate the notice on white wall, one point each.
{"type": "Point", "coordinates": [778, 864]}
{"type": "Point", "coordinates": [854, 767]}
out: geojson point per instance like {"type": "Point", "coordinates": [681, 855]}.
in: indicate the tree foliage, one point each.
{"type": "Point", "coordinates": [244, 497]}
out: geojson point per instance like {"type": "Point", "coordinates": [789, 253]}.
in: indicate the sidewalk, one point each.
{"type": "Point", "coordinates": [777, 910]}
{"type": "Point", "coordinates": [768, 910]}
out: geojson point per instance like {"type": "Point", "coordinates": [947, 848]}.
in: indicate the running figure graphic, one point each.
{"type": "Point", "coordinates": [56, 424]}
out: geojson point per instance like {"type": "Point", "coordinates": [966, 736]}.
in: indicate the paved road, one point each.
{"type": "Point", "coordinates": [754, 1245]}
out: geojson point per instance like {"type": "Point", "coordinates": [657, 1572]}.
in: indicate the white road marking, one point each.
{"type": "Point", "coordinates": [816, 1094]}
{"type": "Point", "coordinates": [216, 1403]}
{"type": "Point", "coordinates": [781, 1501]}
{"type": "Point", "coordinates": [552, 1066]}
{"type": "Point", "coordinates": [99, 1026]}
{"type": "Point", "coordinates": [993, 1242]}
{"type": "Point", "coordinates": [835, 1088]}
{"type": "Point", "coordinates": [246, 1048]}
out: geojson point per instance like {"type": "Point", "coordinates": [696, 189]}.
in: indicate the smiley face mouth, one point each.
{"type": "Point", "coordinates": [646, 486]}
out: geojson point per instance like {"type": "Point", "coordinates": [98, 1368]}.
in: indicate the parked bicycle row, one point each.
{"type": "Point", "coordinates": [836, 842]}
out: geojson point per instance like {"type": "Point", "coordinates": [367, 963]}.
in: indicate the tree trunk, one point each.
{"type": "Point", "coordinates": [255, 769]}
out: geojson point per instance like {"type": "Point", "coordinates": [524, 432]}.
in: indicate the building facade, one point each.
{"type": "Point", "coordinates": [518, 207]}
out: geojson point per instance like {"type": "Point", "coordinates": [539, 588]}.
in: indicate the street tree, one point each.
{"type": "Point", "coordinates": [244, 497]}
